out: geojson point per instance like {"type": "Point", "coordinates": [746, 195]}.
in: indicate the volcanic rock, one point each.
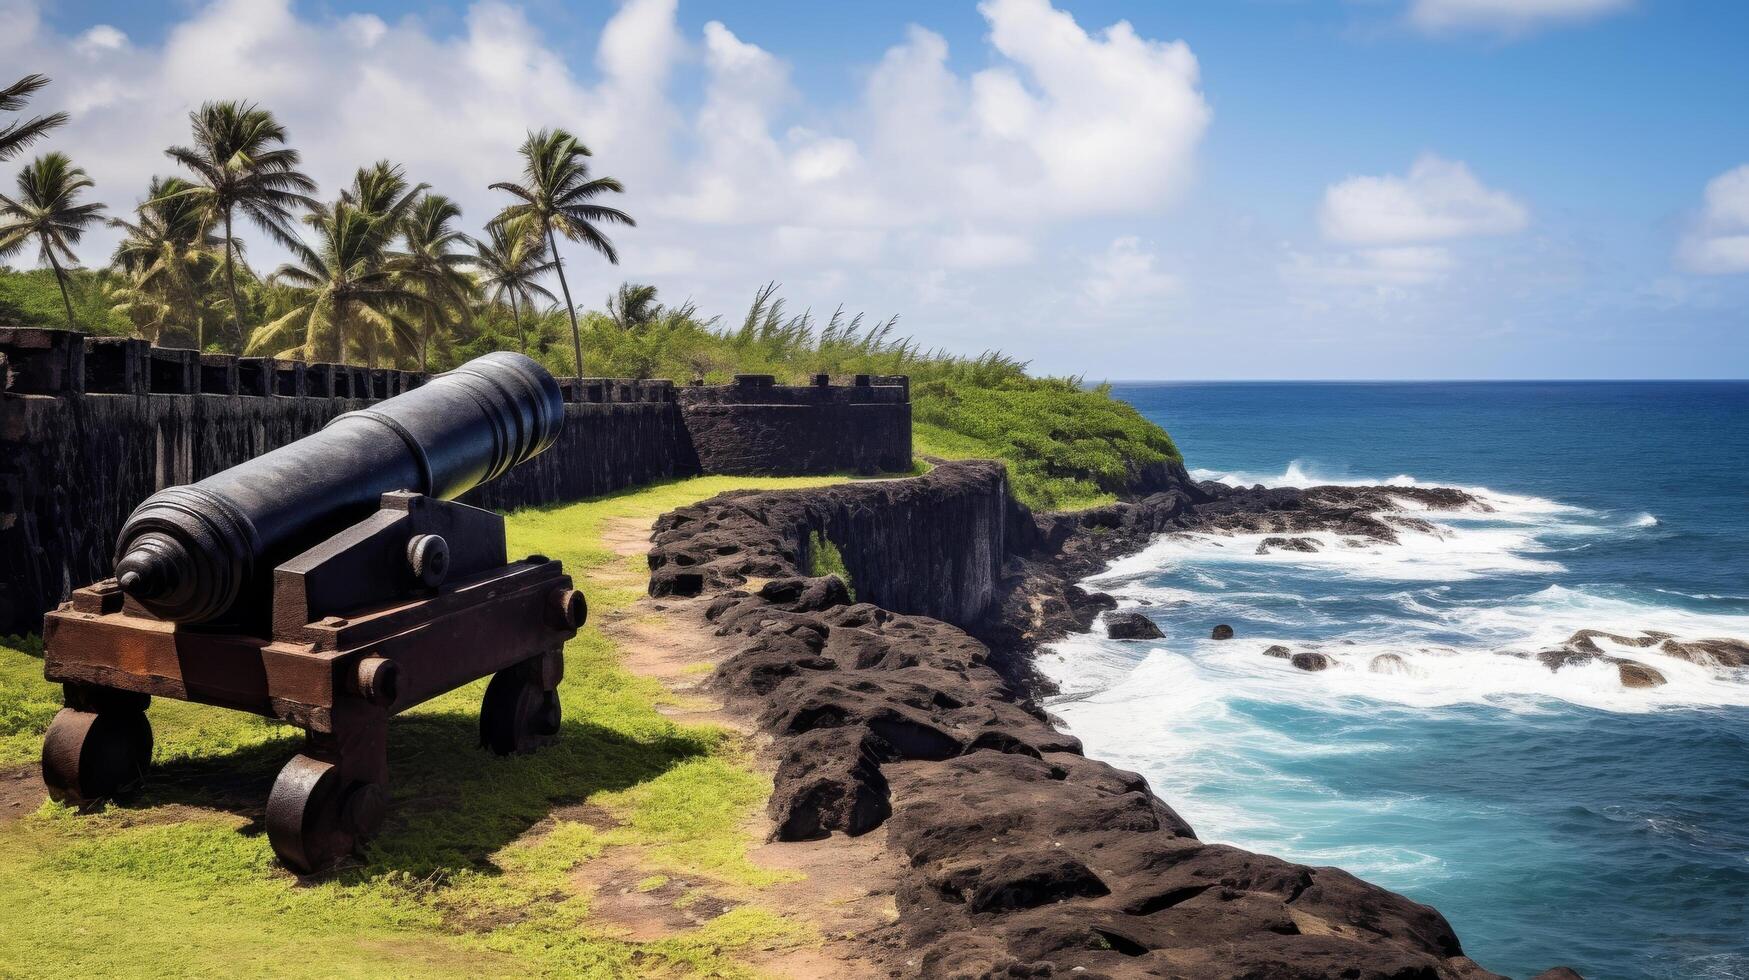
{"type": "Point", "coordinates": [1388, 663]}
{"type": "Point", "coordinates": [1277, 650]}
{"type": "Point", "coordinates": [1131, 626]}
{"type": "Point", "coordinates": [1221, 632]}
{"type": "Point", "coordinates": [1309, 545]}
{"type": "Point", "coordinates": [828, 780]}
{"type": "Point", "coordinates": [1310, 661]}
{"type": "Point", "coordinates": [1636, 674]}
{"type": "Point", "coordinates": [1723, 653]}
{"type": "Point", "coordinates": [1019, 856]}
{"type": "Point", "coordinates": [1632, 672]}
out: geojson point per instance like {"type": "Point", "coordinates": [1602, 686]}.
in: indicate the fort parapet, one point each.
{"type": "Point", "coordinates": [90, 426]}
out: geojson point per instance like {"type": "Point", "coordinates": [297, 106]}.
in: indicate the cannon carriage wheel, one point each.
{"type": "Point", "coordinates": [99, 746]}
{"type": "Point", "coordinates": [315, 818]}
{"type": "Point", "coordinates": [520, 712]}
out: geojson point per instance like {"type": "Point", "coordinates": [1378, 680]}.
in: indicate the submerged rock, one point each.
{"type": "Point", "coordinates": [1724, 653]}
{"type": "Point", "coordinates": [1131, 626]}
{"type": "Point", "coordinates": [1221, 632]}
{"type": "Point", "coordinates": [1707, 653]}
{"type": "Point", "coordinates": [1310, 661]}
{"type": "Point", "coordinates": [1306, 545]}
{"type": "Point", "coordinates": [1636, 674]}
{"type": "Point", "coordinates": [1388, 663]}
{"type": "Point", "coordinates": [1632, 672]}
{"type": "Point", "coordinates": [1587, 640]}
{"type": "Point", "coordinates": [1277, 650]}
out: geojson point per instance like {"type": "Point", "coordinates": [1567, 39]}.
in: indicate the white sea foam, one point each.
{"type": "Point", "coordinates": [1298, 474]}
{"type": "Point", "coordinates": [1507, 506]}
{"type": "Point", "coordinates": [1241, 743]}
{"type": "Point", "coordinates": [1451, 651]}
{"type": "Point", "coordinates": [1453, 553]}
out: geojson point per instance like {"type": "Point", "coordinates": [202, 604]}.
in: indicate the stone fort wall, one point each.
{"type": "Point", "coordinates": [90, 426]}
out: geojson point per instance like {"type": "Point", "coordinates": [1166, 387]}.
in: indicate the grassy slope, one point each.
{"type": "Point", "coordinates": [32, 299]}
{"type": "Point", "coordinates": [473, 874]}
{"type": "Point", "coordinates": [1066, 447]}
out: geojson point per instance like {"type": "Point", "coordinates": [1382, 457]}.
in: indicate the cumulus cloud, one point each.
{"type": "Point", "coordinates": [914, 188]}
{"type": "Point", "coordinates": [1438, 199]}
{"type": "Point", "coordinates": [1394, 229]}
{"type": "Point", "coordinates": [1126, 273]}
{"type": "Point", "coordinates": [1506, 17]}
{"type": "Point", "coordinates": [1718, 242]}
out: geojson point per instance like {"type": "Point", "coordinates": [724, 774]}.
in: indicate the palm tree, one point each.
{"type": "Point", "coordinates": [557, 197]}
{"type": "Point", "coordinates": [341, 288]}
{"type": "Point", "coordinates": [382, 192]}
{"type": "Point", "coordinates": [509, 265]}
{"type": "Point", "coordinates": [433, 267]}
{"type": "Point", "coordinates": [634, 305]}
{"type": "Point", "coordinates": [169, 257]}
{"type": "Point", "coordinates": [47, 209]}
{"type": "Point", "coordinates": [13, 98]}
{"type": "Point", "coordinates": [241, 163]}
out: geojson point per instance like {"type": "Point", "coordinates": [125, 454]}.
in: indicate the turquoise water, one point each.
{"type": "Point", "coordinates": [1555, 818]}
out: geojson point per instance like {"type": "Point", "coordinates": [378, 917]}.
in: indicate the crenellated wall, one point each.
{"type": "Point", "coordinates": [90, 426]}
{"type": "Point", "coordinates": [756, 426]}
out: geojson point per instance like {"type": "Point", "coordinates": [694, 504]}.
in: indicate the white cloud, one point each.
{"type": "Point", "coordinates": [1399, 266]}
{"type": "Point", "coordinates": [983, 250]}
{"type": "Point", "coordinates": [1439, 199]}
{"type": "Point", "coordinates": [1125, 273]}
{"type": "Point", "coordinates": [1110, 120]}
{"type": "Point", "coordinates": [1718, 242]}
{"type": "Point", "coordinates": [1506, 17]}
{"type": "Point", "coordinates": [1396, 229]}
{"type": "Point", "coordinates": [100, 39]}
{"type": "Point", "coordinates": [904, 195]}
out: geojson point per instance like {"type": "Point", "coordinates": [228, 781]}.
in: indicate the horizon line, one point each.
{"type": "Point", "coordinates": [1350, 381]}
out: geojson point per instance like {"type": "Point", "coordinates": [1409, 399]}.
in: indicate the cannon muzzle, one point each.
{"type": "Point", "coordinates": [205, 551]}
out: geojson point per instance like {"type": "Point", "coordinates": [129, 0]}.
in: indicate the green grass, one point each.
{"type": "Point", "coordinates": [828, 560]}
{"type": "Point", "coordinates": [1066, 446]}
{"type": "Point", "coordinates": [32, 299]}
{"type": "Point", "coordinates": [473, 875]}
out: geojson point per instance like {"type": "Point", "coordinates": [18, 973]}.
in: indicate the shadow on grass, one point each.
{"type": "Point", "coordinates": [453, 802]}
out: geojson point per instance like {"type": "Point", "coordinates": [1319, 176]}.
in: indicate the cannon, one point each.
{"type": "Point", "coordinates": [331, 584]}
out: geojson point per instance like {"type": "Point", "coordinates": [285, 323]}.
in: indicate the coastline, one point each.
{"type": "Point", "coordinates": [1016, 851]}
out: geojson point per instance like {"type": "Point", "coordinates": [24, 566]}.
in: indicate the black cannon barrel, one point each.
{"type": "Point", "coordinates": [189, 553]}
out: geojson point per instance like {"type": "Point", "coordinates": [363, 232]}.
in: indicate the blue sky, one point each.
{"type": "Point", "coordinates": [1229, 189]}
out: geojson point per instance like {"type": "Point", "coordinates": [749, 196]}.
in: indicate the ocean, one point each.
{"type": "Point", "coordinates": [1553, 817]}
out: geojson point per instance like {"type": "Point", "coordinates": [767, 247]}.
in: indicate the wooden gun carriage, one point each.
{"type": "Point", "coordinates": [411, 597]}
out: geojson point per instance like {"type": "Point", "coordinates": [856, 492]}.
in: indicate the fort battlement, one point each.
{"type": "Point", "coordinates": [90, 426]}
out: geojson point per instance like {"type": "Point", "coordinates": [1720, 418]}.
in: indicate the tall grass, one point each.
{"type": "Point", "coordinates": [32, 299]}
{"type": "Point", "coordinates": [1066, 444]}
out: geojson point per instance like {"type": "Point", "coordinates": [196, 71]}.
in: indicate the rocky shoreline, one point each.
{"type": "Point", "coordinates": [1042, 603]}
{"type": "Point", "coordinates": [1020, 856]}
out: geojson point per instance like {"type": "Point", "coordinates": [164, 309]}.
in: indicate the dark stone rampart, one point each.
{"type": "Point", "coordinates": [90, 426]}
{"type": "Point", "coordinates": [931, 546]}
{"type": "Point", "coordinates": [756, 426]}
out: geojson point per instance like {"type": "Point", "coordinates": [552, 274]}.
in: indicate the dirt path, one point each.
{"type": "Point", "coordinates": [21, 792]}
{"type": "Point", "coordinates": [845, 889]}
